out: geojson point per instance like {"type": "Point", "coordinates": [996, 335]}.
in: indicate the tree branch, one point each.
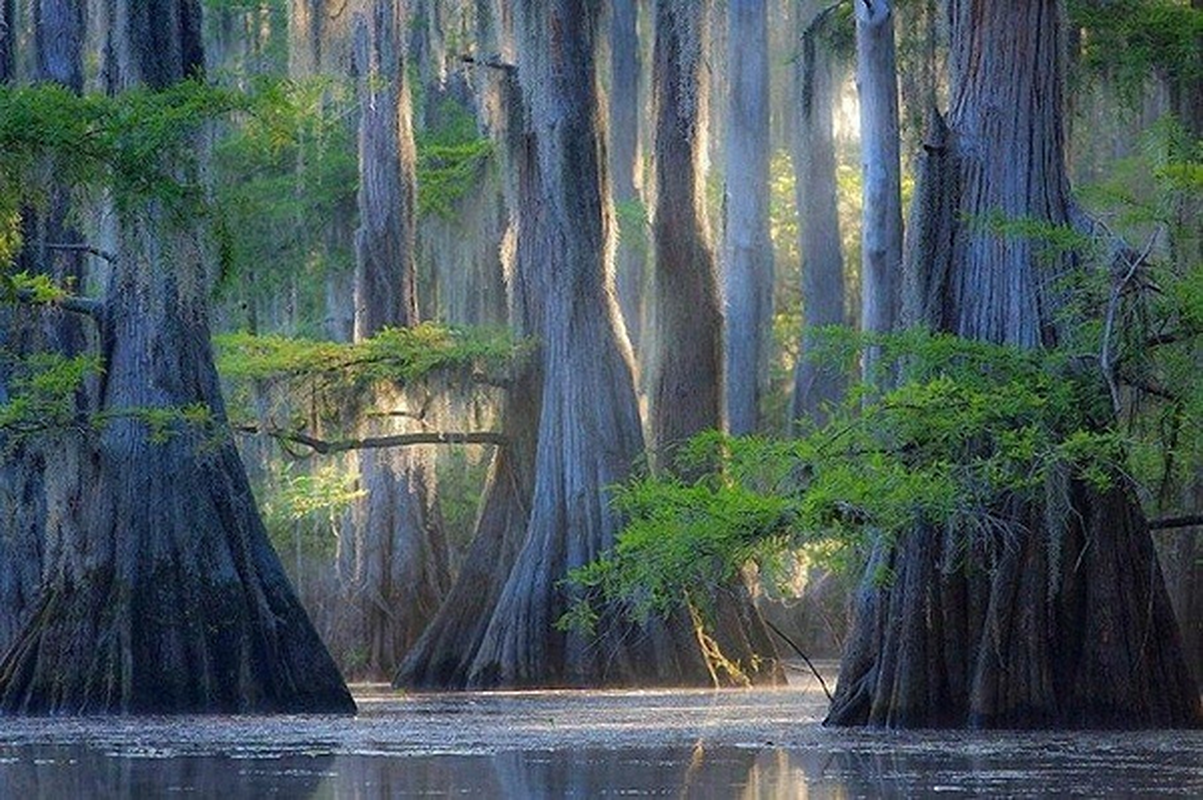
{"type": "Point", "coordinates": [1106, 356]}
{"type": "Point", "coordinates": [327, 447]}
{"type": "Point", "coordinates": [1168, 523]}
{"type": "Point", "coordinates": [492, 62]}
{"type": "Point", "coordinates": [76, 305]}
{"type": "Point", "coordinates": [82, 248]}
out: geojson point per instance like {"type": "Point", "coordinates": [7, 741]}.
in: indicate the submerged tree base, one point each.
{"type": "Point", "coordinates": [1041, 626]}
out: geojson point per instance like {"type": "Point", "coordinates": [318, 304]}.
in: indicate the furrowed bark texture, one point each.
{"type": "Point", "coordinates": [1059, 617]}
{"type": "Point", "coordinates": [165, 596]}
{"type": "Point", "coordinates": [881, 231]}
{"type": "Point", "coordinates": [394, 564]}
{"type": "Point", "coordinates": [589, 429]}
{"type": "Point", "coordinates": [31, 497]}
{"type": "Point", "coordinates": [747, 248]}
{"type": "Point", "coordinates": [815, 383]}
{"type": "Point", "coordinates": [8, 38]}
{"type": "Point", "coordinates": [687, 376]}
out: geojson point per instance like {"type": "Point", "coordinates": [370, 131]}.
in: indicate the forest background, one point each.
{"type": "Point", "coordinates": [371, 402]}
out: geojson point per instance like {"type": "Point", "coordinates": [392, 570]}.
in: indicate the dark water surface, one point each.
{"type": "Point", "coordinates": [733, 744]}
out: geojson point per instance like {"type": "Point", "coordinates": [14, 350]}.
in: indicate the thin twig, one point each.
{"type": "Point", "coordinates": [82, 248]}
{"type": "Point", "coordinates": [492, 62]}
{"type": "Point", "coordinates": [804, 657]}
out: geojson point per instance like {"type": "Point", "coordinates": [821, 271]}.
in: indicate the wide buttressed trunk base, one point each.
{"type": "Point", "coordinates": [170, 600]}
{"type": "Point", "coordinates": [1034, 628]}
{"type": "Point", "coordinates": [165, 595]}
{"type": "Point", "coordinates": [394, 569]}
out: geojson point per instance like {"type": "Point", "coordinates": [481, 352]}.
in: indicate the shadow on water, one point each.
{"type": "Point", "coordinates": [734, 744]}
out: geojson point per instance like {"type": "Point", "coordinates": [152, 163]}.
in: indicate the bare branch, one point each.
{"type": "Point", "coordinates": [326, 447]}
{"type": "Point", "coordinates": [1118, 288]}
{"type": "Point", "coordinates": [1168, 523]}
{"type": "Point", "coordinates": [82, 248]}
{"type": "Point", "coordinates": [492, 62]}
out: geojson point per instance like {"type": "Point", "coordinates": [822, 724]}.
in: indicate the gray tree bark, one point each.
{"type": "Point", "coordinates": [589, 430]}
{"type": "Point", "coordinates": [1063, 621]}
{"type": "Point", "coordinates": [8, 39]}
{"type": "Point", "coordinates": [624, 105]}
{"type": "Point", "coordinates": [164, 594]}
{"type": "Point", "coordinates": [687, 368]}
{"type": "Point", "coordinates": [394, 565]}
{"type": "Point", "coordinates": [747, 248]}
{"type": "Point", "coordinates": [816, 384]}
{"type": "Point", "coordinates": [571, 419]}
{"type": "Point", "coordinates": [443, 657]}
{"type": "Point", "coordinates": [687, 374]}
{"type": "Point", "coordinates": [25, 478]}
{"type": "Point", "coordinates": [881, 229]}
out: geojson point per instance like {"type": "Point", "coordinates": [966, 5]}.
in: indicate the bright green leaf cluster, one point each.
{"type": "Point", "coordinates": [970, 427]}
{"type": "Point", "coordinates": [395, 354]}
{"type": "Point", "coordinates": [41, 392]}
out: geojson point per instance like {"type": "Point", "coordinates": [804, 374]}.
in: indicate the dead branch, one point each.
{"type": "Point", "coordinates": [329, 447]}
{"type": "Point", "coordinates": [1169, 523]}
{"type": "Point", "coordinates": [82, 248]}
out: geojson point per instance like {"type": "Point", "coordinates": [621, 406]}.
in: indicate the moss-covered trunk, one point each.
{"type": "Point", "coordinates": [1058, 617]}
{"type": "Point", "coordinates": [816, 384]}
{"type": "Point", "coordinates": [163, 594]}
{"type": "Point", "coordinates": [393, 562]}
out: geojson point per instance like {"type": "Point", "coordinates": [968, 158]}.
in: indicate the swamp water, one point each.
{"type": "Point", "coordinates": [732, 744]}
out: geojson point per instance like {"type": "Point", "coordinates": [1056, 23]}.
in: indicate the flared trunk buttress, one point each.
{"type": "Point", "coordinates": [166, 596]}
{"type": "Point", "coordinates": [1015, 633]}
{"type": "Point", "coordinates": [1056, 615]}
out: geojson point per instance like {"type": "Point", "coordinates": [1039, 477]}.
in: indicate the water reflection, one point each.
{"type": "Point", "coordinates": [62, 771]}
{"type": "Point", "coordinates": [54, 772]}
{"type": "Point", "coordinates": [746, 745]}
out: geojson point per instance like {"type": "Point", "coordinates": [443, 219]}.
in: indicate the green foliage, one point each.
{"type": "Point", "coordinates": [970, 428]}
{"type": "Point", "coordinates": [138, 144]}
{"type": "Point", "coordinates": [396, 354]}
{"type": "Point", "coordinates": [1131, 39]}
{"type": "Point", "coordinates": [41, 392]}
{"type": "Point", "coordinates": [38, 289]}
{"type": "Point", "coordinates": [1153, 200]}
{"type": "Point", "coordinates": [451, 160]}
{"type": "Point", "coordinates": [284, 172]}
{"type": "Point", "coordinates": [322, 494]}
{"type": "Point", "coordinates": [634, 228]}
{"type": "Point", "coordinates": [330, 376]}
{"type": "Point", "coordinates": [303, 511]}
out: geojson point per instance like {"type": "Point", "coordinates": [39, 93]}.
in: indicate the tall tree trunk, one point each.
{"type": "Point", "coordinates": [687, 372]}
{"type": "Point", "coordinates": [816, 384]}
{"type": "Point", "coordinates": [8, 40]}
{"type": "Point", "coordinates": [395, 564]}
{"type": "Point", "coordinates": [166, 596]}
{"type": "Point", "coordinates": [1064, 620]}
{"type": "Point", "coordinates": [25, 506]}
{"type": "Point", "coordinates": [881, 229]}
{"type": "Point", "coordinates": [444, 655]}
{"type": "Point", "coordinates": [688, 363]}
{"type": "Point", "coordinates": [625, 69]}
{"type": "Point", "coordinates": [589, 430]}
{"type": "Point", "coordinates": [547, 509]}
{"type": "Point", "coordinates": [747, 248]}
